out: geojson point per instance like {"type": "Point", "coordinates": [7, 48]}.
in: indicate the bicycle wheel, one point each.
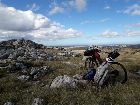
{"type": "Point", "coordinates": [122, 75]}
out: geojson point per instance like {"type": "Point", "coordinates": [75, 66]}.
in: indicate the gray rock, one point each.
{"type": "Point", "coordinates": [24, 71]}
{"type": "Point", "coordinates": [3, 68]}
{"type": "Point", "coordinates": [34, 71]}
{"type": "Point", "coordinates": [38, 101]}
{"type": "Point", "coordinates": [50, 58]}
{"type": "Point", "coordinates": [78, 77]}
{"type": "Point", "coordinates": [10, 56]}
{"type": "Point", "coordinates": [13, 56]}
{"type": "Point", "coordinates": [36, 82]}
{"type": "Point", "coordinates": [23, 77]}
{"type": "Point", "coordinates": [38, 75]}
{"type": "Point", "coordinates": [63, 81]}
{"type": "Point", "coordinates": [14, 66]}
{"type": "Point", "coordinates": [138, 72]}
{"type": "Point", "coordinates": [8, 103]}
{"type": "Point", "coordinates": [4, 56]}
{"type": "Point", "coordinates": [20, 58]}
{"type": "Point", "coordinates": [39, 72]}
{"type": "Point", "coordinates": [20, 66]}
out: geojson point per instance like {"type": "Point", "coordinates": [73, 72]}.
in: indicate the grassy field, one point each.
{"type": "Point", "coordinates": [23, 93]}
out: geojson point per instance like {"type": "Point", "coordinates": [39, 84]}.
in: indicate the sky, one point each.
{"type": "Point", "coordinates": [71, 22]}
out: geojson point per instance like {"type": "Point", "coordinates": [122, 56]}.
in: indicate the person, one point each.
{"type": "Point", "coordinates": [96, 56]}
{"type": "Point", "coordinates": [87, 56]}
{"type": "Point", "coordinates": [92, 55]}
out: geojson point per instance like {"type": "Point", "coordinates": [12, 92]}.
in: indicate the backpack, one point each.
{"type": "Point", "coordinates": [102, 74]}
{"type": "Point", "coordinates": [87, 53]}
{"type": "Point", "coordinates": [89, 75]}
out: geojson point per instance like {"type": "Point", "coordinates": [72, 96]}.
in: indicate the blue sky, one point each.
{"type": "Point", "coordinates": [71, 22]}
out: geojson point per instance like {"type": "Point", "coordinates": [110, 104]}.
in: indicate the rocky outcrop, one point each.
{"type": "Point", "coordinates": [15, 55]}
{"type": "Point", "coordinates": [35, 73]}
{"type": "Point", "coordinates": [23, 50]}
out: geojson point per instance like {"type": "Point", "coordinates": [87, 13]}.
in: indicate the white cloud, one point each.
{"type": "Point", "coordinates": [17, 20]}
{"type": "Point", "coordinates": [132, 29]}
{"type": "Point", "coordinates": [4, 35]}
{"type": "Point", "coordinates": [17, 23]}
{"type": "Point", "coordinates": [56, 10]}
{"type": "Point", "coordinates": [133, 33]}
{"type": "Point", "coordinates": [107, 7]}
{"type": "Point", "coordinates": [133, 10]}
{"type": "Point", "coordinates": [95, 21]}
{"type": "Point", "coordinates": [80, 5]}
{"type": "Point", "coordinates": [132, 26]}
{"type": "Point", "coordinates": [55, 32]}
{"type": "Point", "coordinates": [109, 34]}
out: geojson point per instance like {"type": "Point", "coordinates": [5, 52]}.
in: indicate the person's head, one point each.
{"type": "Point", "coordinates": [97, 49]}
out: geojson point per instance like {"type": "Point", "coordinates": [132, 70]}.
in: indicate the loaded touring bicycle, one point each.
{"type": "Point", "coordinates": [109, 72]}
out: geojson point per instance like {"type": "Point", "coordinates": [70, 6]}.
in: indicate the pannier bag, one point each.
{"type": "Point", "coordinates": [90, 74]}
{"type": "Point", "coordinates": [101, 74]}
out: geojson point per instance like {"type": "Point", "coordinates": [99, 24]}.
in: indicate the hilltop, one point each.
{"type": "Point", "coordinates": [29, 73]}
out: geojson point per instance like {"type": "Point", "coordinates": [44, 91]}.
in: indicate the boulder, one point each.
{"type": "Point", "coordinates": [63, 81]}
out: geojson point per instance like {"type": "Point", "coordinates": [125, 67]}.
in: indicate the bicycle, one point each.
{"type": "Point", "coordinates": [110, 71]}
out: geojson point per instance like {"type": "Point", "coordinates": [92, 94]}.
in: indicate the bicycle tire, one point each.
{"type": "Point", "coordinates": [124, 70]}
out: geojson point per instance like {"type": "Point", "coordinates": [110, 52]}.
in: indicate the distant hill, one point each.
{"type": "Point", "coordinates": [134, 46]}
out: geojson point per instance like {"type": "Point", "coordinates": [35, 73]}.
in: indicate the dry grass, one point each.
{"type": "Point", "coordinates": [22, 93]}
